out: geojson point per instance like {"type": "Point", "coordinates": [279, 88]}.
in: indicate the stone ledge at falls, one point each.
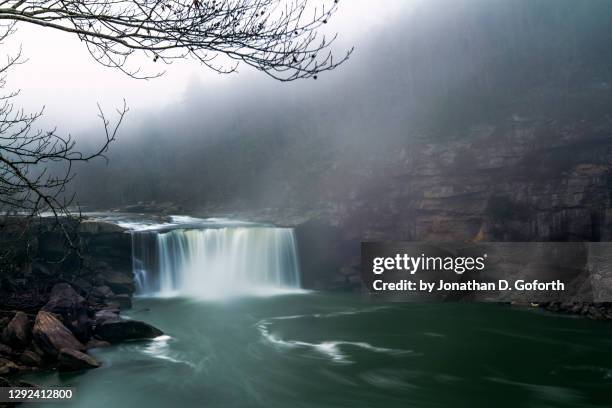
{"type": "Point", "coordinates": [54, 307]}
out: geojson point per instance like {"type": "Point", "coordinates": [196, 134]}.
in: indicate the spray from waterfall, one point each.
{"type": "Point", "coordinates": [215, 262]}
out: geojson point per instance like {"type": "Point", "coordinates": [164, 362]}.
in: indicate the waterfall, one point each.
{"type": "Point", "coordinates": [215, 262]}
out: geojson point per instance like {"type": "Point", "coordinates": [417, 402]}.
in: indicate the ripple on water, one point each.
{"type": "Point", "coordinates": [336, 350]}
{"type": "Point", "coordinates": [388, 379]}
{"type": "Point", "coordinates": [159, 347]}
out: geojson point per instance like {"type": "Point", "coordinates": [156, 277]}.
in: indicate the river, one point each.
{"type": "Point", "coordinates": [330, 350]}
{"type": "Point", "coordinates": [239, 332]}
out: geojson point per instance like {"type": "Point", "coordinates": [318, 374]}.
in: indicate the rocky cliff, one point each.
{"type": "Point", "coordinates": [525, 180]}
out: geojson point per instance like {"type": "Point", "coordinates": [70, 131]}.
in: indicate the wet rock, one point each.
{"type": "Point", "coordinates": [50, 335]}
{"type": "Point", "coordinates": [106, 314]}
{"type": "Point", "coordinates": [122, 301]}
{"type": "Point", "coordinates": [8, 367]}
{"type": "Point", "coordinates": [95, 343]}
{"type": "Point", "coordinates": [82, 286]}
{"type": "Point", "coordinates": [19, 330]}
{"type": "Point", "coordinates": [117, 330]}
{"type": "Point", "coordinates": [74, 360]}
{"type": "Point", "coordinates": [98, 227]}
{"type": "Point", "coordinates": [5, 350]}
{"type": "Point", "coordinates": [119, 283]}
{"type": "Point", "coordinates": [72, 308]}
{"type": "Point", "coordinates": [99, 297]}
{"type": "Point", "coordinates": [30, 358]}
{"type": "Point", "coordinates": [596, 311]}
{"type": "Point", "coordinates": [102, 292]}
{"type": "Point", "coordinates": [65, 301]}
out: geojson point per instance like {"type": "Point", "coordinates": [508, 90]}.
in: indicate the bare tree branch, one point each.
{"type": "Point", "coordinates": [278, 37]}
{"type": "Point", "coordinates": [35, 165]}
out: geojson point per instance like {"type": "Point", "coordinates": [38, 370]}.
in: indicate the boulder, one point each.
{"type": "Point", "coordinates": [5, 350]}
{"type": "Point", "coordinates": [83, 286]}
{"type": "Point", "coordinates": [102, 292]}
{"type": "Point", "coordinates": [122, 301]}
{"type": "Point", "coordinates": [8, 367]}
{"type": "Point", "coordinates": [50, 335]}
{"type": "Point", "coordinates": [106, 314]}
{"type": "Point", "coordinates": [65, 301]}
{"type": "Point", "coordinates": [30, 358]}
{"type": "Point", "coordinates": [99, 297]}
{"type": "Point", "coordinates": [19, 331]}
{"type": "Point", "coordinates": [73, 360]}
{"type": "Point", "coordinates": [116, 330]}
{"type": "Point", "coordinates": [117, 281]}
{"type": "Point", "coordinates": [72, 308]}
{"type": "Point", "coordinates": [95, 343]}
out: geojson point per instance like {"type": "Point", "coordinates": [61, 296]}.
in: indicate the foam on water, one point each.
{"type": "Point", "coordinates": [336, 350]}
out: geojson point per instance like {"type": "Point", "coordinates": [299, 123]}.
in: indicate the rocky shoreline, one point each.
{"type": "Point", "coordinates": [52, 313]}
{"type": "Point", "coordinates": [589, 310]}
{"type": "Point", "coordinates": [60, 333]}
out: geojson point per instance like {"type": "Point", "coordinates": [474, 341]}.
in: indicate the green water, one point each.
{"type": "Point", "coordinates": [315, 350]}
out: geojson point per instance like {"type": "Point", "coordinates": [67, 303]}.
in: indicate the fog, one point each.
{"type": "Point", "coordinates": [431, 71]}
{"type": "Point", "coordinates": [61, 75]}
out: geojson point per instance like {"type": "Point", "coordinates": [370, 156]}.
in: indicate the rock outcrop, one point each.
{"type": "Point", "coordinates": [19, 330]}
{"type": "Point", "coordinates": [8, 367]}
{"type": "Point", "coordinates": [65, 302]}
{"type": "Point", "coordinates": [531, 181]}
{"type": "Point", "coordinates": [115, 329]}
{"type": "Point", "coordinates": [95, 343]}
{"type": "Point", "coordinates": [51, 336]}
{"type": "Point", "coordinates": [73, 360]}
{"type": "Point", "coordinates": [31, 358]}
{"type": "Point", "coordinates": [118, 282]}
{"type": "Point", "coordinates": [59, 304]}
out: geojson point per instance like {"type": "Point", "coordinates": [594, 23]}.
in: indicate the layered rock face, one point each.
{"type": "Point", "coordinates": [511, 184]}
{"type": "Point", "coordinates": [528, 180]}
{"type": "Point", "coordinates": [39, 257]}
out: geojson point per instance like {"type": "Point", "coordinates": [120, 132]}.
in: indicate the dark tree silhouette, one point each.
{"type": "Point", "coordinates": [278, 37]}
{"type": "Point", "coordinates": [36, 165]}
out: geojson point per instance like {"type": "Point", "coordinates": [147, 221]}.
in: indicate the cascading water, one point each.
{"type": "Point", "coordinates": [215, 262]}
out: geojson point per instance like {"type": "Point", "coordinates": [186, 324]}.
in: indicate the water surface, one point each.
{"type": "Point", "coordinates": [319, 350]}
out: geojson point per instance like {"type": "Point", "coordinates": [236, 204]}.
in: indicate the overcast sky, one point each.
{"type": "Point", "coordinates": [61, 75]}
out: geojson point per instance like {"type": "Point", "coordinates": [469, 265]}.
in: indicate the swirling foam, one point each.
{"type": "Point", "coordinates": [330, 348]}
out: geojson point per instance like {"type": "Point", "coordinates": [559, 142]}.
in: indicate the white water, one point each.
{"type": "Point", "coordinates": [216, 262]}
